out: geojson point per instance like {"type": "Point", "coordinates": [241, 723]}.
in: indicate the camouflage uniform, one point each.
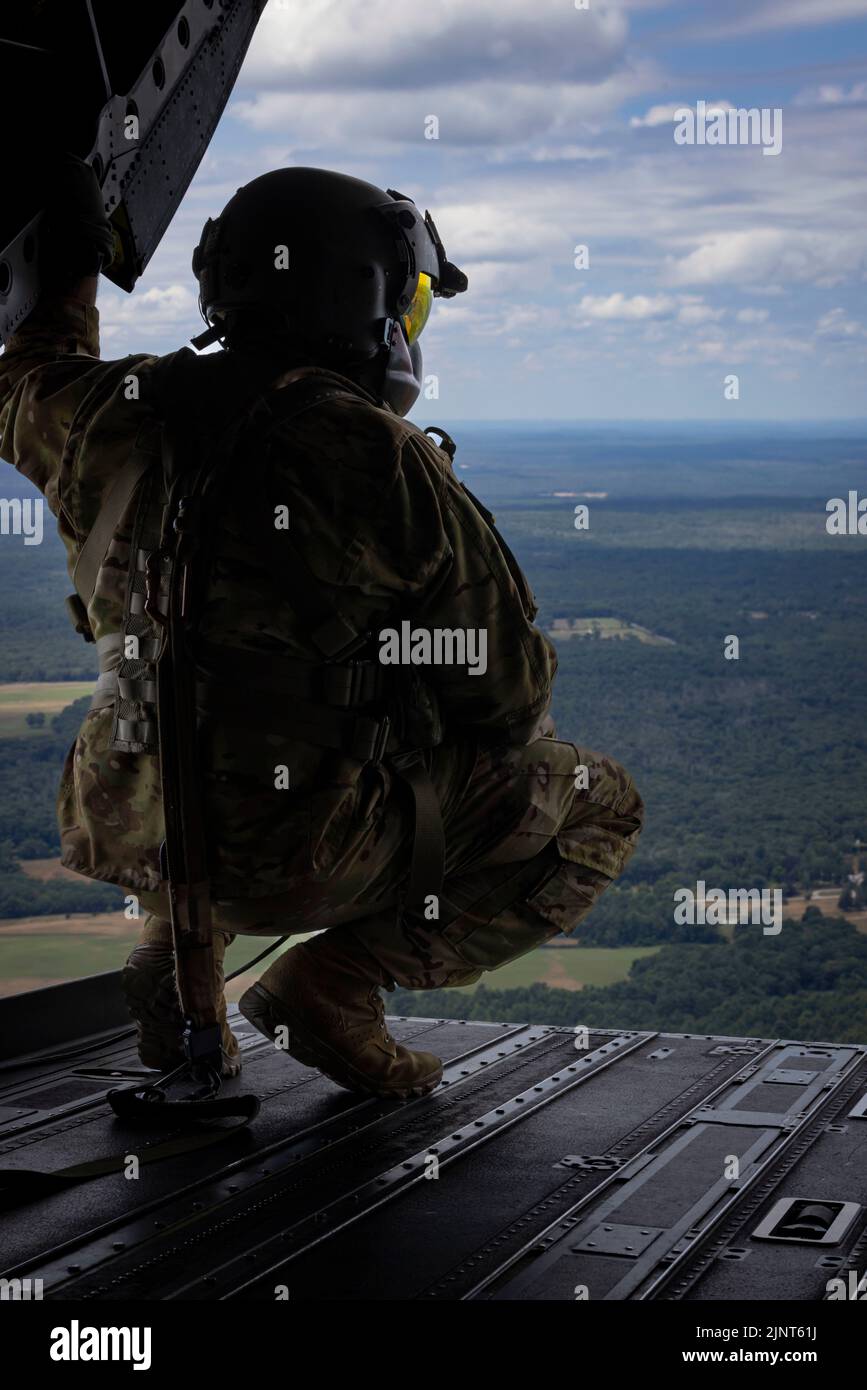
{"type": "Point", "coordinates": [380, 517]}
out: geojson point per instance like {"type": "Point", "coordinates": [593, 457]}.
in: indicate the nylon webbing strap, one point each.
{"type": "Point", "coordinates": [357, 735]}
{"type": "Point", "coordinates": [428, 846]}
{"type": "Point", "coordinates": [134, 728]}
{"type": "Point", "coordinates": [185, 847]}
{"type": "Point", "coordinates": [95, 548]}
{"type": "Point", "coordinates": [28, 1184]}
{"type": "Point", "coordinates": [346, 684]}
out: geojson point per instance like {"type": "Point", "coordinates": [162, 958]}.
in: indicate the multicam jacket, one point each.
{"type": "Point", "coordinates": [378, 515]}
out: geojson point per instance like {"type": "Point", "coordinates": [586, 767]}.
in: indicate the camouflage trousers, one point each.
{"type": "Point", "coordinates": [534, 835]}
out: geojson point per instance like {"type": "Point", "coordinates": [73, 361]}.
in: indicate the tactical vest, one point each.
{"type": "Point", "coordinates": [166, 682]}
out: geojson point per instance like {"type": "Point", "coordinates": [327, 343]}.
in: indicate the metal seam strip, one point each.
{"type": "Point", "coordinates": [395, 1180]}
{"type": "Point", "coordinates": [464, 1067]}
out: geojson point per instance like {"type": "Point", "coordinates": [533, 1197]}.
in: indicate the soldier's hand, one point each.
{"type": "Point", "coordinates": [76, 237]}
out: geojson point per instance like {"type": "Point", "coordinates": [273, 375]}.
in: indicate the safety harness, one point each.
{"type": "Point", "coordinates": [163, 682]}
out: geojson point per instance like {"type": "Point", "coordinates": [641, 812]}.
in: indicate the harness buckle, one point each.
{"type": "Point", "coordinates": [78, 617]}
{"type": "Point", "coordinates": [381, 743]}
{"type": "Point", "coordinates": [153, 578]}
{"type": "Point", "coordinates": [352, 683]}
{"type": "Point", "coordinates": [369, 744]}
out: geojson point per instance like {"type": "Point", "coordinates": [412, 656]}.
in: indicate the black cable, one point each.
{"type": "Point", "coordinates": [256, 959]}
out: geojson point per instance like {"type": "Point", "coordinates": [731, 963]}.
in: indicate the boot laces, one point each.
{"type": "Point", "coordinates": [379, 1006]}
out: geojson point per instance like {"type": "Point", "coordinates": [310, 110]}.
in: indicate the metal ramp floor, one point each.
{"type": "Point", "coordinates": [641, 1166]}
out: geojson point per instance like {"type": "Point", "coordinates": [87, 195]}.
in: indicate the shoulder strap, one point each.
{"type": "Point", "coordinates": [95, 548]}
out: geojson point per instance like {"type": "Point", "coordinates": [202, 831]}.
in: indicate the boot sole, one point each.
{"type": "Point", "coordinates": [260, 1008]}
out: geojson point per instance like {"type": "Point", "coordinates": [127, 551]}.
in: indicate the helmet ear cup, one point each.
{"type": "Point", "coordinates": [200, 252]}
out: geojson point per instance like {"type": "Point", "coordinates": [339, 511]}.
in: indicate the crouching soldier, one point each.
{"type": "Point", "coordinates": [418, 814]}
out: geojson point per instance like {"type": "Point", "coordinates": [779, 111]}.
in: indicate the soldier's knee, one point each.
{"type": "Point", "coordinates": [606, 782]}
{"type": "Point", "coordinates": [156, 931]}
{"type": "Point", "coordinates": [631, 804]}
{"type": "Point", "coordinates": [605, 817]}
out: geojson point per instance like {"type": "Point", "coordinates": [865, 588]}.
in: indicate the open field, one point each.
{"type": "Point", "coordinates": [827, 904]}
{"type": "Point", "coordinates": [36, 697]}
{"type": "Point", "coordinates": [37, 951]}
{"type": "Point", "coordinates": [564, 628]}
{"type": "Point", "coordinates": [562, 968]}
{"type": "Point", "coordinates": [566, 967]}
{"type": "Point", "coordinates": [49, 870]}
{"type": "Point", "coordinates": [40, 951]}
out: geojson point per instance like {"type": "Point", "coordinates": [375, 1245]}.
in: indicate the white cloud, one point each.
{"type": "Point", "coordinates": [555, 154]}
{"type": "Point", "coordinates": [493, 229]}
{"type": "Point", "coordinates": [764, 16]}
{"type": "Point", "coordinates": [752, 315]}
{"type": "Point", "coordinates": [831, 95]}
{"type": "Point", "coordinates": [491, 113]}
{"type": "Point", "coordinates": [454, 321]}
{"type": "Point", "coordinates": [767, 254]}
{"type": "Point", "coordinates": [769, 351]}
{"type": "Point", "coordinates": [837, 325]}
{"type": "Point", "coordinates": [494, 72]}
{"type": "Point", "coordinates": [132, 322]}
{"type": "Point", "coordinates": [693, 310]}
{"type": "Point", "coordinates": [304, 45]}
{"type": "Point", "coordinates": [657, 115]}
{"type": "Point", "coordinates": [621, 306]}
{"type": "Point", "coordinates": [664, 115]}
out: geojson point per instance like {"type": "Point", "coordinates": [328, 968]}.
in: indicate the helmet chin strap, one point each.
{"type": "Point", "coordinates": [402, 377]}
{"type": "Point", "coordinates": [394, 374]}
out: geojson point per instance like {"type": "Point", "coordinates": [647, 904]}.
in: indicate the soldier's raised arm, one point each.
{"type": "Point", "coordinates": [46, 369]}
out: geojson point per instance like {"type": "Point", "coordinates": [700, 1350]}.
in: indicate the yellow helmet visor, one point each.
{"type": "Point", "coordinates": [418, 312]}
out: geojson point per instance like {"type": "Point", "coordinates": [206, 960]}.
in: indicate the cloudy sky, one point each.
{"type": "Point", "coordinates": [556, 130]}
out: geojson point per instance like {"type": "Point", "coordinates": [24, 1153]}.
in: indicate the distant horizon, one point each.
{"type": "Point", "coordinates": [849, 422]}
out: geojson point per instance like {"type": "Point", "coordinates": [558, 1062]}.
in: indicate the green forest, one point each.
{"type": "Point", "coordinates": [752, 770]}
{"type": "Point", "coordinates": [808, 983]}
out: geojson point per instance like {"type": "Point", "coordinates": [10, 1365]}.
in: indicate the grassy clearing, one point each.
{"type": "Point", "coordinates": [47, 957]}
{"type": "Point", "coordinates": [564, 628]}
{"type": "Point", "coordinates": [49, 870]}
{"type": "Point", "coordinates": [42, 950]}
{"type": "Point", "coordinates": [36, 697]}
{"type": "Point", "coordinates": [566, 967]}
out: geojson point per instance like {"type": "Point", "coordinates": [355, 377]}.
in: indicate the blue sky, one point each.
{"type": "Point", "coordinates": [555, 130]}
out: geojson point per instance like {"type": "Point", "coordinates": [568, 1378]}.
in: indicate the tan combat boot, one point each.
{"type": "Point", "coordinates": [324, 996]}
{"type": "Point", "coordinates": [148, 981]}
